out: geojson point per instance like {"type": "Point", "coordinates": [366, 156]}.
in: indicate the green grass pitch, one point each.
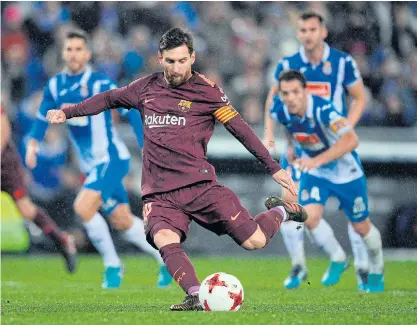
{"type": "Point", "coordinates": [36, 290]}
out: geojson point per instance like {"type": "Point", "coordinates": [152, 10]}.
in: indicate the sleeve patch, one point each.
{"type": "Point", "coordinates": [225, 114]}
{"type": "Point", "coordinates": [338, 125]}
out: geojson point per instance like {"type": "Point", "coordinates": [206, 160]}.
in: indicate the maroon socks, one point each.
{"type": "Point", "coordinates": [180, 267]}
{"type": "Point", "coordinates": [48, 226]}
{"type": "Point", "coordinates": [269, 222]}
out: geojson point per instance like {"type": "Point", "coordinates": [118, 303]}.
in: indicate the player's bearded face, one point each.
{"type": "Point", "coordinates": [294, 96]}
{"type": "Point", "coordinates": [177, 64]}
{"type": "Point", "coordinates": [76, 54]}
{"type": "Point", "coordinates": [311, 33]}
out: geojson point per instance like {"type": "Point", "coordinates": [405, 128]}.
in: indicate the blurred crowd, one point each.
{"type": "Point", "coordinates": [238, 45]}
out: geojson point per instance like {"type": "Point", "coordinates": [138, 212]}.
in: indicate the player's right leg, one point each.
{"type": "Point", "coordinates": [293, 235]}
{"type": "Point", "coordinates": [372, 239]}
{"type": "Point", "coordinates": [314, 193]}
{"type": "Point", "coordinates": [86, 206]}
{"type": "Point", "coordinates": [166, 227]}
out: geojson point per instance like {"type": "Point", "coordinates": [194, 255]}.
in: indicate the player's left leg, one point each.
{"type": "Point", "coordinates": [360, 257]}
{"type": "Point", "coordinates": [219, 210]}
{"type": "Point", "coordinates": [101, 182]}
{"type": "Point", "coordinates": [314, 193]}
{"type": "Point", "coordinates": [63, 241]}
{"type": "Point", "coordinates": [133, 231]}
{"type": "Point", "coordinates": [354, 200]}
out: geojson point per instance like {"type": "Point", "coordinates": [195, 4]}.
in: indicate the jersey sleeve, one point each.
{"type": "Point", "coordinates": [41, 124]}
{"type": "Point", "coordinates": [220, 105]}
{"type": "Point", "coordinates": [276, 110]}
{"type": "Point", "coordinates": [279, 69]}
{"type": "Point", "coordinates": [352, 73]}
{"type": "Point", "coordinates": [332, 120]}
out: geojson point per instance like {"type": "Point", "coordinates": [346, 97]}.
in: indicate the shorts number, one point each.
{"type": "Point", "coordinates": [315, 193]}
{"type": "Point", "coordinates": [147, 208]}
{"type": "Point", "coordinates": [359, 205]}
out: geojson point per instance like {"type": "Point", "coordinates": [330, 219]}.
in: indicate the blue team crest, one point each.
{"type": "Point", "coordinates": [327, 68]}
{"type": "Point", "coordinates": [84, 91]}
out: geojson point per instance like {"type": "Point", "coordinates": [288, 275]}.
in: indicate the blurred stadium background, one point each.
{"type": "Point", "coordinates": [238, 45]}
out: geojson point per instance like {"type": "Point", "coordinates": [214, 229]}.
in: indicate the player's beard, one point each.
{"type": "Point", "coordinates": [175, 80]}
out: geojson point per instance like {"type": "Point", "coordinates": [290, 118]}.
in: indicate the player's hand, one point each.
{"type": "Point", "coordinates": [56, 116]}
{"type": "Point", "coordinates": [31, 157]}
{"type": "Point", "coordinates": [269, 143]}
{"type": "Point", "coordinates": [306, 164]}
{"type": "Point", "coordinates": [283, 178]}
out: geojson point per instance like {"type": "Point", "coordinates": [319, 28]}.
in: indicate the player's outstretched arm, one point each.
{"type": "Point", "coordinates": [245, 134]}
{"type": "Point", "coordinates": [115, 98]}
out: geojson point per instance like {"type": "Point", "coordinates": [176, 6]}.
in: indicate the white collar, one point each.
{"type": "Point", "coordinates": [86, 74]}
{"type": "Point", "coordinates": [326, 53]}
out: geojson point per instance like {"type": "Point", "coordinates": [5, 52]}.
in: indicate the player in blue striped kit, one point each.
{"type": "Point", "coordinates": [103, 157]}
{"type": "Point", "coordinates": [330, 167]}
{"type": "Point", "coordinates": [329, 73]}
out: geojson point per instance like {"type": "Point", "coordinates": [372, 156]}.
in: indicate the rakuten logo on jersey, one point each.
{"type": "Point", "coordinates": [159, 121]}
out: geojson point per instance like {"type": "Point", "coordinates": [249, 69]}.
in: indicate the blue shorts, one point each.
{"type": "Point", "coordinates": [108, 179]}
{"type": "Point", "coordinates": [294, 172]}
{"type": "Point", "coordinates": [352, 196]}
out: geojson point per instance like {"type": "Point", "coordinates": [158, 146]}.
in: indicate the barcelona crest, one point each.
{"type": "Point", "coordinates": [184, 105]}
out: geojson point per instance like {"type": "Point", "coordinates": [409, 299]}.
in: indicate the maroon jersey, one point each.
{"type": "Point", "coordinates": [178, 124]}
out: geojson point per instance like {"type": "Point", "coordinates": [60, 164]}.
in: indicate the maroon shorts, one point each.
{"type": "Point", "coordinates": [12, 173]}
{"type": "Point", "coordinates": [209, 204]}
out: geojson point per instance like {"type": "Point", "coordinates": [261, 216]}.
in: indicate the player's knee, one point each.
{"type": "Point", "coordinates": [83, 210]}
{"type": "Point", "coordinates": [27, 208]}
{"type": "Point", "coordinates": [363, 227]}
{"type": "Point", "coordinates": [256, 241]}
{"type": "Point", "coordinates": [312, 221]}
{"type": "Point", "coordinates": [87, 204]}
{"type": "Point", "coordinates": [121, 221]}
{"type": "Point", "coordinates": [165, 237]}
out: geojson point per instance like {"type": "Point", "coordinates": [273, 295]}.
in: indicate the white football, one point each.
{"type": "Point", "coordinates": [221, 292]}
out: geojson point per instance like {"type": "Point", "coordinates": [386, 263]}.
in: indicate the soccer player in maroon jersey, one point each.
{"type": "Point", "coordinates": [179, 108]}
{"type": "Point", "coordinates": [12, 182]}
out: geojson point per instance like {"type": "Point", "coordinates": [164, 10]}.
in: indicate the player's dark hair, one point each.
{"type": "Point", "coordinates": [176, 37]}
{"type": "Point", "coordinates": [78, 34]}
{"type": "Point", "coordinates": [310, 15]}
{"type": "Point", "coordinates": [289, 75]}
